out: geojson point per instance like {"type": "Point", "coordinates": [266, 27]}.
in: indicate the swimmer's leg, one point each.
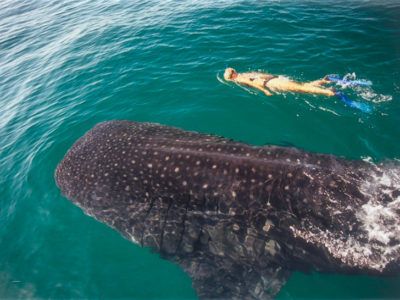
{"type": "Point", "coordinates": [292, 86]}
{"type": "Point", "coordinates": [312, 89]}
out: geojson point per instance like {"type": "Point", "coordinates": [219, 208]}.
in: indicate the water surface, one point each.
{"type": "Point", "coordinates": [67, 65]}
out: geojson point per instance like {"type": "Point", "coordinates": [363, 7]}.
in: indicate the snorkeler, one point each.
{"type": "Point", "coordinates": [268, 83]}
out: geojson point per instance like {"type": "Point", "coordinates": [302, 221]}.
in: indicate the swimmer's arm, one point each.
{"type": "Point", "coordinates": [250, 83]}
{"type": "Point", "coordinates": [261, 88]}
{"type": "Point", "coordinates": [245, 82]}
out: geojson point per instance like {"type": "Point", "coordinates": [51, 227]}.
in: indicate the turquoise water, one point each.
{"type": "Point", "coordinates": [66, 66]}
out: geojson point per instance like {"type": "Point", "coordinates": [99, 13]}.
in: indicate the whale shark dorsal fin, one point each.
{"type": "Point", "coordinates": [222, 278]}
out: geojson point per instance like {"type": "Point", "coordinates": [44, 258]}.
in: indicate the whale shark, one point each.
{"type": "Point", "coordinates": [237, 218]}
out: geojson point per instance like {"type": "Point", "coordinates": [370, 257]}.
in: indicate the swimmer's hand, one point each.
{"type": "Point", "coordinates": [266, 92]}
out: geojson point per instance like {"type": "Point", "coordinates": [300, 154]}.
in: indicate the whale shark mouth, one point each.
{"type": "Point", "coordinates": [237, 218]}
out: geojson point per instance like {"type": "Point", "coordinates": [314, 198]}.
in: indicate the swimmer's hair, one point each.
{"type": "Point", "coordinates": [229, 72]}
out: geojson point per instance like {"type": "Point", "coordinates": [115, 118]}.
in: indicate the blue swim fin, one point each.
{"type": "Point", "coordinates": [354, 104]}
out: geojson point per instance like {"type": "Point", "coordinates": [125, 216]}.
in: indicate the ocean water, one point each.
{"type": "Point", "coordinates": [67, 65]}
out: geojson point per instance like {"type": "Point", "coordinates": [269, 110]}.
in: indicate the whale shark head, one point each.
{"type": "Point", "coordinates": [237, 218]}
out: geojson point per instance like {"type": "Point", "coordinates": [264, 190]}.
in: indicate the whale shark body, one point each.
{"type": "Point", "coordinates": [237, 218]}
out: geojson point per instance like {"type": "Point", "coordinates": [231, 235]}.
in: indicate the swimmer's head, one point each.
{"type": "Point", "coordinates": [230, 74]}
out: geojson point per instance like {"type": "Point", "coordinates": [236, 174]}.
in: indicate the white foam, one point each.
{"type": "Point", "coordinates": [246, 89]}
{"type": "Point", "coordinates": [387, 177]}
{"type": "Point", "coordinates": [133, 239]}
{"type": "Point", "coordinates": [350, 250]}
{"type": "Point", "coordinates": [219, 78]}
{"type": "Point", "coordinates": [311, 105]}
{"type": "Point", "coordinates": [328, 110]}
{"type": "Point", "coordinates": [367, 159]}
{"type": "Point", "coordinates": [365, 92]}
{"type": "Point", "coordinates": [380, 222]}
{"type": "Point", "coordinates": [368, 94]}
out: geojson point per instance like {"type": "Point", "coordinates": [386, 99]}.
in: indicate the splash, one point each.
{"type": "Point", "coordinates": [380, 219]}
{"type": "Point", "coordinates": [219, 78]}
{"type": "Point", "coordinates": [369, 95]}
{"type": "Point", "coordinates": [378, 244]}
{"type": "Point", "coordinates": [329, 110]}
{"type": "Point", "coordinates": [365, 92]}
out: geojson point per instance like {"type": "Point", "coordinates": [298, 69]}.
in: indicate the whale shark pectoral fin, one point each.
{"type": "Point", "coordinates": [221, 277]}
